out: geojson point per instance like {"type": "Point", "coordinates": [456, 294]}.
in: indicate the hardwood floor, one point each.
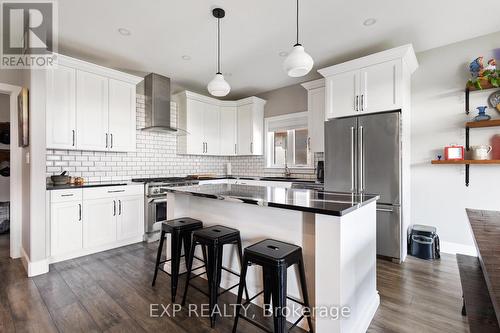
{"type": "Point", "coordinates": [111, 291]}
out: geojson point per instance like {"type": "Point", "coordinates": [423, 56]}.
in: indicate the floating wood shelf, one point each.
{"type": "Point", "coordinates": [485, 123]}
{"type": "Point", "coordinates": [468, 162]}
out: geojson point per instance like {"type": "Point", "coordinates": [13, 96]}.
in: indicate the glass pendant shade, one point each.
{"type": "Point", "coordinates": [298, 63]}
{"type": "Point", "coordinates": [218, 86]}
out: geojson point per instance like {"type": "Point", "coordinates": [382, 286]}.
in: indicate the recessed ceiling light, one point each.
{"type": "Point", "coordinates": [369, 21]}
{"type": "Point", "coordinates": [186, 57]}
{"type": "Point", "coordinates": [124, 32]}
{"type": "Point", "coordinates": [283, 54]}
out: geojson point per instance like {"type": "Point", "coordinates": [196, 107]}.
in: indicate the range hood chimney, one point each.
{"type": "Point", "coordinates": [157, 104]}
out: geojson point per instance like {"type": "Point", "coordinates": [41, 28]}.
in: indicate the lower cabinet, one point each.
{"type": "Point", "coordinates": [90, 220]}
{"type": "Point", "coordinates": [66, 227]}
{"type": "Point", "coordinates": [130, 210]}
{"type": "Point", "coordinates": [99, 227]}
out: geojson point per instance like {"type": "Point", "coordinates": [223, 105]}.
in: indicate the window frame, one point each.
{"type": "Point", "coordinates": [269, 140]}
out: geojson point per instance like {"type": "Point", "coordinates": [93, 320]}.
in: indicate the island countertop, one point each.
{"type": "Point", "coordinates": [307, 200]}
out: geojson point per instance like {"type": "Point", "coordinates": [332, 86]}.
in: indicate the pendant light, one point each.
{"type": "Point", "coordinates": [298, 62]}
{"type": "Point", "coordinates": [218, 86]}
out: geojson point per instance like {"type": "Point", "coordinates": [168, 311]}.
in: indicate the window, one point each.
{"type": "Point", "coordinates": [287, 141]}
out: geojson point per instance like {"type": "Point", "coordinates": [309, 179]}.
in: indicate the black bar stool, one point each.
{"type": "Point", "coordinates": [181, 230]}
{"type": "Point", "coordinates": [275, 257]}
{"type": "Point", "coordinates": [213, 239]}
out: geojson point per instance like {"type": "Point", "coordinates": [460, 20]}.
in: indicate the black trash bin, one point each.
{"type": "Point", "coordinates": [423, 242]}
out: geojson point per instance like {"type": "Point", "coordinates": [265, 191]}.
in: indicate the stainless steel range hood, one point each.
{"type": "Point", "coordinates": [157, 104]}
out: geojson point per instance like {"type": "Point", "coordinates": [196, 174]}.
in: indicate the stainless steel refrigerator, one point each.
{"type": "Point", "coordinates": [363, 155]}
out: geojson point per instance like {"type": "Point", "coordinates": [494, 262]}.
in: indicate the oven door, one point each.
{"type": "Point", "coordinates": [157, 214]}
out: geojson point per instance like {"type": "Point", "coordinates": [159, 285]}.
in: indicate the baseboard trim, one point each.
{"type": "Point", "coordinates": [364, 322]}
{"type": "Point", "coordinates": [36, 267]}
{"type": "Point", "coordinates": [454, 248]}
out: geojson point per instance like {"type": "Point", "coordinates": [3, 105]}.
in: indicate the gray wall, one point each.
{"type": "Point", "coordinates": [439, 195]}
{"type": "Point", "coordinates": [285, 100]}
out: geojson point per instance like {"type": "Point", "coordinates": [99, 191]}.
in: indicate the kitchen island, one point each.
{"type": "Point", "coordinates": [337, 232]}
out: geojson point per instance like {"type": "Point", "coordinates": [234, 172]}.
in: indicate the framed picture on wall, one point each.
{"type": "Point", "coordinates": [23, 117]}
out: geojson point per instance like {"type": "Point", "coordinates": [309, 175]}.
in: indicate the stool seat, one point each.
{"type": "Point", "coordinates": [181, 224]}
{"type": "Point", "coordinates": [216, 234]}
{"type": "Point", "coordinates": [275, 251]}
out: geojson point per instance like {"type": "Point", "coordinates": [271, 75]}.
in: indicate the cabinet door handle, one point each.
{"type": "Point", "coordinates": [66, 195]}
{"type": "Point", "coordinates": [79, 212]}
{"type": "Point", "coordinates": [116, 191]}
{"type": "Point", "coordinates": [356, 103]}
{"type": "Point", "coordinates": [119, 207]}
{"type": "Point", "coordinates": [309, 143]}
{"type": "Point", "coordinates": [73, 135]}
{"type": "Point", "coordinates": [111, 145]}
{"type": "Point", "coordinates": [251, 147]}
{"type": "Point", "coordinates": [235, 149]}
{"type": "Point", "coordinates": [206, 145]}
{"type": "Point", "coordinates": [106, 140]}
{"type": "Point", "coordinates": [114, 207]}
{"type": "Point", "coordinates": [362, 102]}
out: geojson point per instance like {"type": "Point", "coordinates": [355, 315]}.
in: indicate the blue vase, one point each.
{"type": "Point", "coordinates": [482, 114]}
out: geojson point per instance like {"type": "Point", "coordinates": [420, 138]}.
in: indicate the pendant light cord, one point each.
{"type": "Point", "coordinates": [297, 44]}
{"type": "Point", "coordinates": [218, 46]}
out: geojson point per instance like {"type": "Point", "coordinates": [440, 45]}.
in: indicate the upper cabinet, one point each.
{"type": "Point", "coordinates": [61, 102]}
{"type": "Point", "coordinates": [90, 107]}
{"type": "Point", "coordinates": [219, 128]}
{"type": "Point", "coordinates": [370, 84]}
{"type": "Point", "coordinates": [250, 126]}
{"type": "Point", "coordinates": [316, 115]}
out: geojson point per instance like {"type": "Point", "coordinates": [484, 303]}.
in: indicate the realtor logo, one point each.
{"type": "Point", "coordinates": [28, 38]}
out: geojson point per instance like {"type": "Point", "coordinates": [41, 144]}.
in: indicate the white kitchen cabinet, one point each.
{"type": "Point", "coordinates": [91, 111]}
{"type": "Point", "coordinates": [61, 108]}
{"type": "Point", "coordinates": [342, 94]}
{"type": "Point", "coordinates": [228, 130]}
{"type": "Point", "coordinates": [251, 126]}
{"type": "Point", "coordinates": [85, 221]}
{"type": "Point", "coordinates": [316, 115]}
{"type": "Point", "coordinates": [99, 227]}
{"type": "Point", "coordinates": [244, 144]}
{"type": "Point", "coordinates": [90, 107]}
{"type": "Point", "coordinates": [219, 127]}
{"type": "Point", "coordinates": [130, 217]}
{"type": "Point", "coordinates": [122, 116]}
{"type": "Point", "coordinates": [66, 234]}
{"type": "Point", "coordinates": [370, 84]}
{"type": "Point", "coordinates": [211, 132]}
{"type": "Point", "coordinates": [381, 87]}
{"type": "Point", "coordinates": [193, 115]}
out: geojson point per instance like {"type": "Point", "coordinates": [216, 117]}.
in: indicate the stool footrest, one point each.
{"type": "Point", "coordinates": [226, 290]}
{"type": "Point", "coordinates": [254, 297]}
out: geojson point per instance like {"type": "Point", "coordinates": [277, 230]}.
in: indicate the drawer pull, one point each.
{"type": "Point", "coordinates": [116, 191]}
{"type": "Point", "coordinates": [79, 212]}
{"type": "Point", "coordinates": [66, 195]}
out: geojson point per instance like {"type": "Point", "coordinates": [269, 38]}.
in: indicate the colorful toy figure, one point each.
{"type": "Point", "coordinates": [492, 65]}
{"type": "Point", "coordinates": [476, 67]}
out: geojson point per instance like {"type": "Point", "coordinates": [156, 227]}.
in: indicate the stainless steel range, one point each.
{"type": "Point", "coordinates": [156, 203]}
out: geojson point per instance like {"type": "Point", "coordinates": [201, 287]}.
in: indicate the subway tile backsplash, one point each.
{"type": "Point", "coordinates": [155, 157]}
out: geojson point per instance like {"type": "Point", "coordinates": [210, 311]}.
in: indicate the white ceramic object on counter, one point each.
{"type": "Point", "coordinates": [480, 152]}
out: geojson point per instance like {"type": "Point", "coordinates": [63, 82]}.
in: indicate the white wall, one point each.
{"type": "Point", "coordinates": [439, 194]}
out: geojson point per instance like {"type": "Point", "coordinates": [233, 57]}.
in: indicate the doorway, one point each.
{"type": "Point", "coordinates": [4, 176]}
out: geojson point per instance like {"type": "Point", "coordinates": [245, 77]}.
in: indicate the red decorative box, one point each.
{"type": "Point", "coordinates": [454, 152]}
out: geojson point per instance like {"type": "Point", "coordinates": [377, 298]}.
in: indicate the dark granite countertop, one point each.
{"type": "Point", "coordinates": [306, 200]}
{"type": "Point", "coordinates": [51, 187]}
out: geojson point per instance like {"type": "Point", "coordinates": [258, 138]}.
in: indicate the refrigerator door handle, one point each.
{"type": "Point", "coordinates": [361, 159]}
{"type": "Point", "coordinates": [353, 168]}
{"type": "Point", "coordinates": [387, 210]}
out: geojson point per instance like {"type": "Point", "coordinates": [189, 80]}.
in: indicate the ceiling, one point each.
{"type": "Point", "coordinates": [254, 33]}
